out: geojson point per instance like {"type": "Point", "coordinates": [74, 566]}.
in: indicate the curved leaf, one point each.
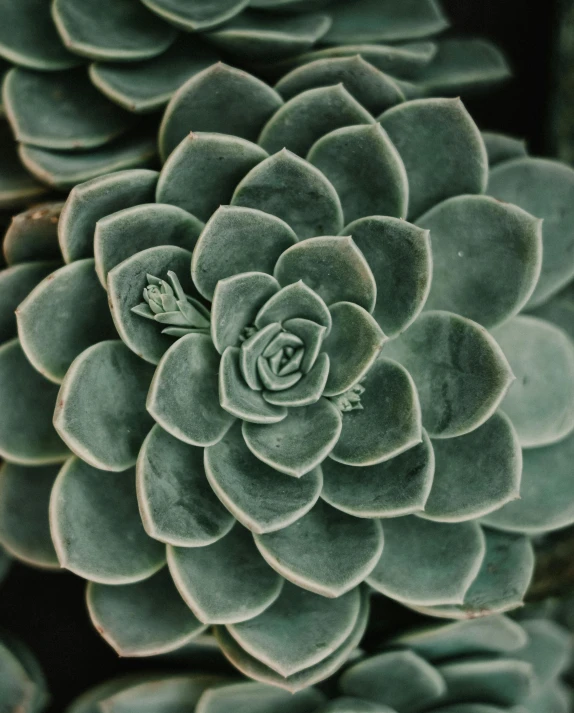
{"type": "Point", "coordinates": [17, 185]}
{"type": "Point", "coordinates": [33, 235]}
{"type": "Point", "coordinates": [295, 301]}
{"type": "Point", "coordinates": [548, 649]}
{"type": "Point", "coordinates": [198, 14]}
{"type": "Point", "coordinates": [252, 697]}
{"type": "Point", "coordinates": [501, 148]}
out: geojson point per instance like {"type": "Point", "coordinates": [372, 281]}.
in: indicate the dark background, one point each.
{"type": "Point", "coordinates": [47, 610]}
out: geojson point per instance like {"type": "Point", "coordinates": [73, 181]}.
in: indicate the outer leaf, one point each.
{"type": "Point", "coordinates": [496, 681]}
{"type": "Point", "coordinates": [252, 697]}
{"type": "Point", "coordinates": [413, 568]}
{"type": "Point", "coordinates": [353, 705]}
{"type": "Point", "coordinates": [142, 619]}
{"type": "Point", "coordinates": [460, 372]}
{"type": "Point", "coordinates": [17, 185]}
{"type": "Point", "coordinates": [501, 148]}
{"type": "Point", "coordinates": [197, 15]}
{"type": "Point", "coordinates": [541, 401]}
{"type": "Point", "coordinates": [86, 501]}
{"type": "Point", "coordinates": [33, 235]}
{"type": "Point", "coordinates": [548, 649]}
{"type": "Point", "coordinates": [22, 681]}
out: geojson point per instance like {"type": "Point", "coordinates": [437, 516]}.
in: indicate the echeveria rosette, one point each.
{"type": "Point", "coordinates": [110, 61]}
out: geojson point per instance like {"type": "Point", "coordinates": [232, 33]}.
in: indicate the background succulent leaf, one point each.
{"type": "Point", "coordinates": [365, 169]}
{"type": "Point", "coordinates": [501, 147]}
{"type": "Point", "coordinates": [353, 705]}
{"type": "Point", "coordinates": [146, 618]}
{"type": "Point", "coordinates": [540, 402]}
{"type": "Point", "coordinates": [197, 15]}
{"type": "Point", "coordinates": [486, 255]}
{"type": "Point", "coordinates": [293, 190]}
{"type": "Point", "coordinates": [253, 697]}
{"type": "Point", "coordinates": [227, 581]}
{"type": "Point", "coordinates": [212, 163]}
{"type": "Point", "coordinates": [176, 503]}
{"type": "Point", "coordinates": [21, 679]}
{"type": "Point", "coordinates": [32, 235]}
{"type": "Point", "coordinates": [118, 551]}
{"type": "Point", "coordinates": [17, 186]}
{"type": "Point", "coordinates": [443, 132]}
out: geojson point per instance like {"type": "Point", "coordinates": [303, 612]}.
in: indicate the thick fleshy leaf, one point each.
{"type": "Point", "coordinates": [541, 400]}
{"type": "Point", "coordinates": [295, 301]}
{"type": "Point", "coordinates": [353, 344]}
{"type": "Point", "coordinates": [24, 527]}
{"type": "Point", "coordinates": [236, 303]}
{"type": "Point", "coordinates": [89, 119]}
{"type": "Point", "coordinates": [476, 473]}
{"type": "Point", "coordinates": [460, 372]}
{"type": "Point", "coordinates": [147, 86]}
{"type": "Point", "coordinates": [142, 619]}
{"type": "Point", "coordinates": [345, 550]}
{"type": "Point", "coordinates": [544, 189]}
{"type": "Point", "coordinates": [16, 283]}
{"type": "Point", "coordinates": [126, 283]}
{"type": "Point", "coordinates": [225, 582]}
{"type": "Point", "coordinates": [413, 568]}
{"type": "Point", "coordinates": [32, 236]}
{"type": "Point", "coordinates": [487, 257]}
{"type": "Point", "coordinates": [386, 423]}
{"type": "Point", "coordinates": [100, 411]}
{"type": "Point", "coordinates": [27, 435]}
{"type": "Point", "coordinates": [96, 526]}
{"type": "Point", "coordinates": [366, 170]}
{"type": "Point", "coordinates": [187, 375]}
{"type": "Point", "coordinates": [176, 504]}
{"type": "Point", "coordinates": [21, 679]}
{"type": "Point", "coordinates": [546, 492]}
{"type": "Point", "coordinates": [368, 85]}
{"type": "Point", "coordinates": [95, 199]}
{"type": "Point", "coordinates": [353, 705]}
{"type": "Point", "coordinates": [65, 169]}
{"type": "Point", "coordinates": [63, 316]}
{"type": "Point", "coordinates": [501, 148]}
{"type": "Point", "coordinates": [295, 191]}
{"type": "Point", "coordinates": [213, 164]}
{"type": "Point", "coordinates": [248, 488]}
{"type": "Point", "coordinates": [401, 680]}
{"type": "Point", "coordinates": [252, 697]}
{"type": "Point", "coordinates": [333, 267]}
{"type": "Point", "coordinates": [17, 186]}
{"type": "Point", "coordinates": [122, 234]}
{"type": "Point", "coordinates": [395, 487]}
{"type": "Point", "coordinates": [300, 442]}
{"type": "Point", "coordinates": [310, 115]}
{"type": "Point", "coordinates": [441, 148]}
{"type": "Point", "coordinates": [220, 99]}
{"type": "Point", "coordinates": [237, 240]}
{"type": "Point", "coordinates": [548, 649]}
{"type": "Point", "coordinates": [315, 629]}
{"type": "Point", "coordinates": [308, 390]}
{"type": "Point", "coordinates": [198, 14]}
{"type": "Point", "coordinates": [553, 698]}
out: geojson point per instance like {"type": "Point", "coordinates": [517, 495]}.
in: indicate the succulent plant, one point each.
{"type": "Point", "coordinates": [273, 451]}
{"type": "Point", "coordinates": [79, 74]}
{"type": "Point", "coordinates": [22, 684]}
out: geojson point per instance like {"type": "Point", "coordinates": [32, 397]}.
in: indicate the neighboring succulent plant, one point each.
{"type": "Point", "coordinates": [84, 69]}
{"type": "Point", "coordinates": [275, 560]}
{"type": "Point", "coordinates": [22, 684]}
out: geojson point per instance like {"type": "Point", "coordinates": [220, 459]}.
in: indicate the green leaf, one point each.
{"type": "Point", "coordinates": [345, 550]}
{"type": "Point", "coordinates": [248, 488]}
{"type": "Point", "coordinates": [32, 235]}
{"type": "Point", "coordinates": [100, 411]}
{"type": "Point", "coordinates": [187, 374]}
{"type": "Point", "coordinates": [64, 315]}
{"type": "Point", "coordinates": [296, 300]}
{"type": "Point", "coordinates": [441, 148]}
{"type": "Point", "coordinates": [212, 163]}
{"type": "Point", "coordinates": [546, 492]}
{"type": "Point", "coordinates": [21, 679]}
{"type": "Point", "coordinates": [290, 446]}
{"type": "Point", "coordinates": [476, 473]}
{"type": "Point", "coordinates": [548, 649]}
{"type": "Point", "coordinates": [17, 186]}
{"type": "Point", "coordinates": [147, 86]}
{"type": "Point", "coordinates": [252, 697]}
{"type": "Point", "coordinates": [553, 697]}
{"type": "Point", "coordinates": [197, 14]}
{"type": "Point", "coordinates": [225, 582]}
{"type": "Point", "coordinates": [96, 526]}
{"type": "Point", "coordinates": [544, 189]}
{"type": "Point", "coordinates": [238, 240]}
{"type": "Point", "coordinates": [400, 257]}
{"type": "Point", "coordinates": [487, 257]}
{"type": "Point", "coordinates": [95, 199]}
{"type": "Point", "coordinates": [295, 191]}
{"type": "Point", "coordinates": [24, 527]}
{"type": "Point", "coordinates": [236, 303]}
{"type": "Point", "coordinates": [372, 88]}
{"type": "Point", "coordinates": [353, 705]}
{"type": "Point", "coordinates": [310, 115]}
{"type": "Point", "coordinates": [89, 120]}
{"type": "Point", "coordinates": [369, 21]}
{"type": "Point", "coordinates": [460, 372]}
{"type": "Point", "coordinates": [27, 435]}
{"type": "Point", "coordinates": [365, 169]}
{"type": "Point", "coordinates": [126, 232]}
{"type": "Point", "coordinates": [222, 100]}
{"type": "Point", "coordinates": [541, 400]}
{"type": "Point", "coordinates": [177, 505]}
{"type": "Point", "coordinates": [401, 680]}
{"type": "Point", "coordinates": [387, 422]}
{"type": "Point", "coordinates": [395, 487]}
{"type": "Point", "coordinates": [142, 619]}
{"type": "Point", "coordinates": [501, 148]}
